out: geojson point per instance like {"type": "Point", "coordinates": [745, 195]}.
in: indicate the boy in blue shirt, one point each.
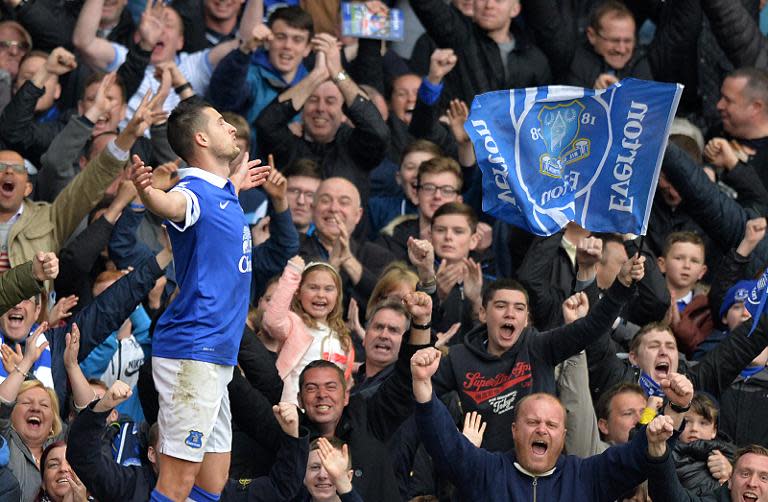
{"type": "Point", "coordinates": [196, 340]}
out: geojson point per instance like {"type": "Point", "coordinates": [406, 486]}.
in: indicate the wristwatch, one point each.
{"type": "Point", "coordinates": [679, 409]}
{"type": "Point", "coordinates": [340, 77]}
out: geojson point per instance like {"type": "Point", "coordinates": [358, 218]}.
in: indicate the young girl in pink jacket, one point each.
{"type": "Point", "coordinates": [306, 314]}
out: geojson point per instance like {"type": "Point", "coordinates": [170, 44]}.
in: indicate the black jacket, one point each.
{"type": "Point", "coordinates": [714, 373]}
{"type": "Point", "coordinates": [369, 68]}
{"type": "Point", "coordinates": [737, 33]}
{"type": "Point", "coordinates": [587, 65]}
{"type": "Point", "coordinates": [252, 396]}
{"type": "Point", "coordinates": [492, 385]}
{"type": "Point", "coordinates": [285, 479]}
{"type": "Point", "coordinates": [106, 479]}
{"type": "Point", "coordinates": [691, 463]}
{"type": "Point", "coordinates": [98, 320]}
{"type": "Point", "coordinates": [479, 68]}
{"type": "Point", "coordinates": [51, 23]}
{"type": "Point", "coordinates": [19, 130]}
{"type": "Point", "coordinates": [721, 217]}
{"type": "Point", "coordinates": [81, 262]}
{"type": "Point", "coordinates": [744, 410]}
{"type": "Point", "coordinates": [197, 36]}
{"type": "Point", "coordinates": [397, 243]}
{"type": "Point", "coordinates": [663, 486]}
{"type": "Point", "coordinates": [548, 276]}
{"type": "Point", "coordinates": [352, 154]}
{"type": "Point", "coordinates": [559, 27]}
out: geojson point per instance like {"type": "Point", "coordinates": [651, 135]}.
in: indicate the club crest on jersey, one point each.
{"type": "Point", "coordinates": [559, 126]}
{"type": "Point", "coordinates": [194, 440]}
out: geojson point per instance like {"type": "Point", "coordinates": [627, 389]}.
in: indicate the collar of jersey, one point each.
{"type": "Point", "coordinates": [211, 178]}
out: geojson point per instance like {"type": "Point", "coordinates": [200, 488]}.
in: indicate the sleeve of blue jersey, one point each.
{"type": "Point", "coordinates": [192, 214]}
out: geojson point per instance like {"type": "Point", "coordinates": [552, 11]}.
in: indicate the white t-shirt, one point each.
{"type": "Point", "coordinates": [194, 66]}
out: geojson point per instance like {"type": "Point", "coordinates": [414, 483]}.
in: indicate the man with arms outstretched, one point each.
{"type": "Point", "coordinates": [197, 338]}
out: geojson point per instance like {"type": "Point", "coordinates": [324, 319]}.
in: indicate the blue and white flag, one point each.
{"type": "Point", "coordinates": [755, 301]}
{"type": "Point", "coordinates": [550, 155]}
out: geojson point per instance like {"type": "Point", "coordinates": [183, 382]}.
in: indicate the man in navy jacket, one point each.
{"type": "Point", "coordinates": [537, 470]}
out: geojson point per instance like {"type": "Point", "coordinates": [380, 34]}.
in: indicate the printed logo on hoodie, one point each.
{"type": "Point", "coordinates": [493, 389]}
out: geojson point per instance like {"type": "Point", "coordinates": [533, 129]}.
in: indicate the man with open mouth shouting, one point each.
{"type": "Point", "coordinates": [504, 359]}
{"type": "Point", "coordinates": [537, 469]}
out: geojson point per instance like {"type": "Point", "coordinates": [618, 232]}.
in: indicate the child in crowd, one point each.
{"type": "Point", "coordinates": [459, 278]}
{"type": "Point", "coordinates": [306, 314]}
{"type": "Point", "coordinates": [683, 266]}
{"type": "Point", "coordinates": [682, 263]}
{"type": "Point", "coordinates": [702, 458]}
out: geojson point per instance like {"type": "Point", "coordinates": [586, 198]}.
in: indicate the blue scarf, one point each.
{"type": "Point", "coordinates": [650, 387]}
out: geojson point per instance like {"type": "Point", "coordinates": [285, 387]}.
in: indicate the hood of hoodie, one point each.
{"type": "Point", "coordinates": [261, 58]}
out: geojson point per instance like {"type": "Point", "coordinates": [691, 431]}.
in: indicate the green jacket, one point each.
{"type": "Point", "coordinates": [45, 227]}
{"type": "Point", "coordinates": [17, 284]}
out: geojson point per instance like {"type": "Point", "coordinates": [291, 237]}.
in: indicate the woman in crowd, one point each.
{"type": "Point", "coordinates": [60, 482]}
{"type": "Point", "coordinates": [29, 418]}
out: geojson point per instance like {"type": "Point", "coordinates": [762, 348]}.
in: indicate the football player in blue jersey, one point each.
{"type": "Point", "coordinates": [196, 340]}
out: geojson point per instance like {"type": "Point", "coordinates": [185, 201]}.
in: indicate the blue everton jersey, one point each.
{"type": "Point", "coordinates": [212, 255]}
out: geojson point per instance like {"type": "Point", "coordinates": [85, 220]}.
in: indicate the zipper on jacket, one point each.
{"type": "Point", "coordinates": [535, 482]}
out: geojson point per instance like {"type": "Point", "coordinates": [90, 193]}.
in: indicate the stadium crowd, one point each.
{"type": "Point", "coordinates": [400, 343]}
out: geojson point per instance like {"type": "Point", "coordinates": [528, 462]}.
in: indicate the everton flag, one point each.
{"type": "Point", "coordinates": [550, 155]}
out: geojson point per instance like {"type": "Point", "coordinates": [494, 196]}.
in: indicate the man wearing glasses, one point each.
{"type": "Point", "coordinates": [303, 178]}
{"type": "Point", "coordinates": [15, 43]}
{"type": "Point", "coordinates": [439, 181]}
{"type": "Point", "coordinates": [612, 52]}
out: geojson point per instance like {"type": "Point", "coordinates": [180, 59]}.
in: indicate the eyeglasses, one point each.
{"type": "Point", "coordinates": [6, 45]}
{"type": "Point", "coordinates": [17, 168]}
{"type": "Point", "coordinates": [297, 192]}
{"type": "Point", "coordinates": [445, 190]}
{"type": "Point", "coordinates": [616, 41]}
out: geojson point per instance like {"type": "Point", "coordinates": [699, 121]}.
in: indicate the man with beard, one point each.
{"type": "Point", "coordinates": [196, 340]}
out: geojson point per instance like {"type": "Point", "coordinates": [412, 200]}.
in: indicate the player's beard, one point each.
{"type": "Point", "coordinates": [229, 153]}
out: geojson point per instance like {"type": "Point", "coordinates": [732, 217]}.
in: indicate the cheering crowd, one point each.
{"type": "Point", "coordinates": [340, 320]}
